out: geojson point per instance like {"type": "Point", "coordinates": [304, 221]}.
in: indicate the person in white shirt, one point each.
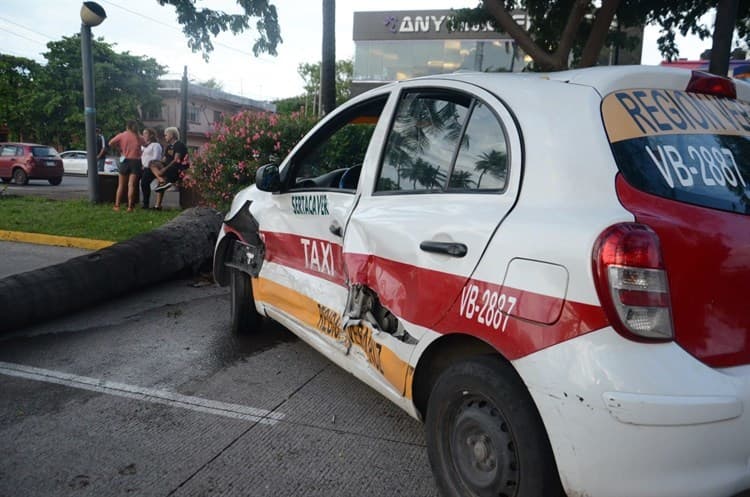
{"type": "Point", "coordinates": [151, 151]}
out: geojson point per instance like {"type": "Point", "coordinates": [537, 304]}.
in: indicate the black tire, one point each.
{"type": "Point", "coordinates": [5, 180]}
{"type": "Point", "coordinates": [20, 177]}
{"type": "Point", "coordinates": [485, 436]}
{"type": "Point", "coordinates": [55, 181]}
{"type": "Point", "coordinates": [245, 317]}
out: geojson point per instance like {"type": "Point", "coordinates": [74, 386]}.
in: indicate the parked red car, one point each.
{"type": "Point", "coordinates": [21, 162]}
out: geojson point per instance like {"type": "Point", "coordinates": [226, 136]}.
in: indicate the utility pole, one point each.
{"type": "Point", "coordinates": [183, 107]}
{"type": "Point", "coordinates": [92, 14]}
{"type": "Point", "coordinates": [328, 62]}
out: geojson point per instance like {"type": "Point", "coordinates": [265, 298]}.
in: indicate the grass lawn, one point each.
{"type": "Point", "coordinates": [77, 218]}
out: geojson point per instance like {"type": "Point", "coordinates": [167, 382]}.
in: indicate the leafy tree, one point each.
{"type": "Point", "coordinates": [310, 74]}
{"type": "Point", "coordinates": [348, 145]}
{"type": "Point", "coordinates": [18, 83]}
{"type": "Point", "coordinates": [291, 104]}
{"type": "Point", "coordinates": [48, 105]}
{"type": "Point", "coordinates": [200, 24]}
{"type": "Point", "coordinates": [561, 30]}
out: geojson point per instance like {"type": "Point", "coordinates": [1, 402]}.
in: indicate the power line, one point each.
{"type": "Point", "coordinates": [25, 27]}
{"type": "Point", "coordinates": [7, 31]}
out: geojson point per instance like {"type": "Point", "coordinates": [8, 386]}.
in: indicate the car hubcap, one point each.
{"type": "Point", "coordinates": [484, 451]}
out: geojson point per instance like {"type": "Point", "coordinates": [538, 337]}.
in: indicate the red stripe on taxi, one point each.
{"type": "Point", "coordinates": [515, 321]}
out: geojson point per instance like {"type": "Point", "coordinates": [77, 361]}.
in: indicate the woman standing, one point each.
{"type": "Point", "coordinates": [152, 151]}
{"type": "Point", "coordinates": [130, 168]}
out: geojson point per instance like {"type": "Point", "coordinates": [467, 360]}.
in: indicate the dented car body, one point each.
{"type": "Point", "coordinates": [512, 260]}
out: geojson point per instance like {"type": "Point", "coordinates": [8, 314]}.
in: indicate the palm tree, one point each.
{"type": "Point", "coordinates": [461, 179]}
{"type": "Point", "coordinates": [493, 162]}
{"type": "Point", "coordinates": [426, 174]}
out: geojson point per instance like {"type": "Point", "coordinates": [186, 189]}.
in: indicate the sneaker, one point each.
{"type": "Point", "coordinates": [163, 187]}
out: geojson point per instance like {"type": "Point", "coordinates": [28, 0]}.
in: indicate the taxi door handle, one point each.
{"type": "Point", "coordinates": [448, 248]}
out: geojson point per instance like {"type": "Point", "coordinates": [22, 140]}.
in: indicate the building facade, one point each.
{"type": "Point", "coordinates": [205, 106]}
{"type": "Point", "coordinates": [391, 46]}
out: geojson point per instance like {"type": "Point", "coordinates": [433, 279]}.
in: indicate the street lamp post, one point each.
{"type": "Point", "coordinates": [92, 14]}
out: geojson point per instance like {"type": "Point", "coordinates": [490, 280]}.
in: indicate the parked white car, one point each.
{"type": "Point", "coordinates": [550, 270]}
{"type": "Point", "coordinates": [75, 162]}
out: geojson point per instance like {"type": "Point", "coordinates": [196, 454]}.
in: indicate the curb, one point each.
{"type": "Point", "coordinates": [59, 241]}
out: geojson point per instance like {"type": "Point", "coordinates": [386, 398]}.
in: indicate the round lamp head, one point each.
{"type": "Point", "coordinates": [92, 14]}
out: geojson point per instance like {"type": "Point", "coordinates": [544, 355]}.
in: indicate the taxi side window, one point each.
{"type": "Point", "coordinates": [443, 141]}
{"type": "Point", "coordinates": [336, 150]}
{"type": "Point", "coordinates": [422, 142]}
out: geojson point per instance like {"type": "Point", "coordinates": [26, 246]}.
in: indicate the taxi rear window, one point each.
{"type": "Point", "coordinates": [682, 146]}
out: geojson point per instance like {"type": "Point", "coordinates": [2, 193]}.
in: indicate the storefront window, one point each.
{"type": "Point", "coordinates": [397, 60]}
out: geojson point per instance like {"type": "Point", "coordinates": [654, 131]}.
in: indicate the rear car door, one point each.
{"type": "Point", "coordinates": [448, 175]}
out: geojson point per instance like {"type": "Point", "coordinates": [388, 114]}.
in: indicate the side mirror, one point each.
{"type": "Point", "coordinates": [267, 178]}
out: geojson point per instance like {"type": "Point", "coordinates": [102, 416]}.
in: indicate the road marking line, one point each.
{"type": "Point", "coordinates": [235, 411]}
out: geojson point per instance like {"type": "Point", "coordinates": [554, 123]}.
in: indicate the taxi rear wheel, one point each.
{"type": "Point", "coordinates": [245, 317]}
{"type": "Point", "coordinates": [485, 436]}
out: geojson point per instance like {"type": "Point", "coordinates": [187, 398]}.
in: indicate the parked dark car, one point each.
{"type": "Point", "coordinates": [21, 162]}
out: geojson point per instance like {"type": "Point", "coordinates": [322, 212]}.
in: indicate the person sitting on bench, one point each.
{"type": "Point", "coordinates": [167, 171]}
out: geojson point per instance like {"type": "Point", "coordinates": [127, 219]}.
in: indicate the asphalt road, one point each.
{"type": "Point", "coordinates": [22, 257]}
{"type": "Point", "coordinates": [150, 395]}
{"type": "Point", "coordinates": [71, 187]}
{"type": "Point", "coordinates": [74, 187]}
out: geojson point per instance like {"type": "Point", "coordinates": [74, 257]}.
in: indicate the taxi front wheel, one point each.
{"type": "Point", "coordinates": [245, 317]}
{"type": "Point", "coordinates": [485, 436]}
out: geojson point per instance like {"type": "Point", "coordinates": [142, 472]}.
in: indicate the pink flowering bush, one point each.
{"type": "Point", "coordinates": [236, 148]}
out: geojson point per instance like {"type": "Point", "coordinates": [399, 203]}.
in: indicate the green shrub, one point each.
{"type": "Point", "coordinates": [238, 145]}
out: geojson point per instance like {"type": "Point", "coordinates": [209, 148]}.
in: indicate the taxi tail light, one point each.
{"type": "Point", "coordinates": [711, 84]}
{"type": "Point", "coordinates": [632, 282]}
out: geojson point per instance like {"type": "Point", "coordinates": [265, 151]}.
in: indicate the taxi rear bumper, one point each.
{"type": "Point", "coordinates": [641, 420]}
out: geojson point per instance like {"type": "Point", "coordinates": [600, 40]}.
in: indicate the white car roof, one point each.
{"type": "Point", "coordinates": [604, 79]}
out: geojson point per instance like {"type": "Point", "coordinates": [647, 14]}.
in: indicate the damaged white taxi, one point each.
{"type": "Point", "coordinates": [550, 270]}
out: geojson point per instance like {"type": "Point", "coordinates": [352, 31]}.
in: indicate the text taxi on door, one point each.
{"type": "Point", "coordinates": [550, 270]}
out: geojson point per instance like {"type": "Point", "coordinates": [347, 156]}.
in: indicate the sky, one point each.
{"type": "Point", "coordinates": [143, 27]}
